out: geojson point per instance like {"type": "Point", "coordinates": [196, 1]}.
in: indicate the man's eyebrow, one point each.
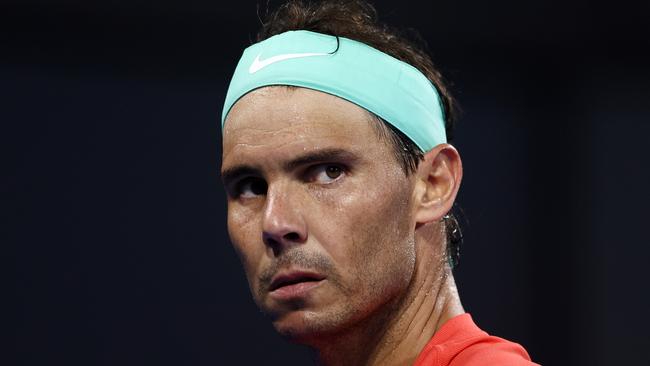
{"type": "Point", "coordinates": [235, 172]}
{"type": "Point", "coordinates": [325, 155]}
{"type": "Point", "coordinates": [321, 156]}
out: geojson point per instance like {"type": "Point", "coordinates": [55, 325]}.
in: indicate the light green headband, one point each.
{"type": "Point", "coordinates": [393, 90]}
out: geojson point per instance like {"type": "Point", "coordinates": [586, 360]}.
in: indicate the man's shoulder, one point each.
{"type": "Point", "coordinates": [459, 342]}
{"type": "Point", "coordinates": [490, 350]}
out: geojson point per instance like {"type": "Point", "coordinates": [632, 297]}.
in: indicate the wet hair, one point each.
{"type": "Point", "coordinates": [358, 20]}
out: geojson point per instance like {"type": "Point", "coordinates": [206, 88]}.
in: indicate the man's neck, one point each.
{"type": "Point", "coordinates": [400, 332]}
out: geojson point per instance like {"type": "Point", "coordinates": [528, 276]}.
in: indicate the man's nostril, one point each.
{"type": "Point", "coordinates": [270, 240]}
{"type": "Point", "coordinates": [293, 236]}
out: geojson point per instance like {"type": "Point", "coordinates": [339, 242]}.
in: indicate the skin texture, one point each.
{"type": "Point", "coordinates": [312, 187]}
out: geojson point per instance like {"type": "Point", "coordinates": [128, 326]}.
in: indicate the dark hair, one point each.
{"type": "Point", "coordinates": [357, 19]}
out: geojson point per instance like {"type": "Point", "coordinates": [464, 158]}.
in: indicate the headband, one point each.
{"type": "Point", "coordinates": [391, 89]}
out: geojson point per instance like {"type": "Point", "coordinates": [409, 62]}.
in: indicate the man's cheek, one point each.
{"type": "Point", "coordinates": [249, 256]}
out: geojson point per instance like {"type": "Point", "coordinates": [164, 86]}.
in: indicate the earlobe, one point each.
{"type": "Point", "coordinates": [439, 177]}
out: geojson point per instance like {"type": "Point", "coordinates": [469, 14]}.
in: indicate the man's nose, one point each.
{"type": "Point", "coordinates": [283, 223]}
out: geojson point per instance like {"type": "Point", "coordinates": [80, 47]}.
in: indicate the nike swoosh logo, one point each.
{"type": "Point", "coordinates": [258, 64]}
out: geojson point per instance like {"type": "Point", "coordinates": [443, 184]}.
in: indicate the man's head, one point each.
{"type": "Point", "coordinates": [358, 20]}
{"type": "Point", "coordinates": [333, 212]}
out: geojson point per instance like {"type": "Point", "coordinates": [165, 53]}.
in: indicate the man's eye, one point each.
{"type": "Point", "coordinates": [251, 187]}
{"type": "Point", "coordinates": [326, 173]}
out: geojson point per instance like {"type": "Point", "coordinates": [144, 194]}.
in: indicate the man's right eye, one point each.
{"type": "Point", "coordinates": [250, 187]}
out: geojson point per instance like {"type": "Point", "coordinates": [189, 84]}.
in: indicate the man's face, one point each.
{"type": "Point", "coordinates": [319, 210]}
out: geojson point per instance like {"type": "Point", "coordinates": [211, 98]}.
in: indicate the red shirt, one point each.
{"type": "Point", "coordinates": [459, 342]}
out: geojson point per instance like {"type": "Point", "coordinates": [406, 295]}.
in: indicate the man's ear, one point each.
{"type": "Point", "coordinates": [438, 181]}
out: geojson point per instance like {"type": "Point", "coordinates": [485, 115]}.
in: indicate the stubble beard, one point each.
{"type": "Point", "coordinates": [366, 312]}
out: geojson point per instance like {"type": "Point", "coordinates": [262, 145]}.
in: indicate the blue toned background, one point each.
{"type": "Point", "coordinates": [113, 216]}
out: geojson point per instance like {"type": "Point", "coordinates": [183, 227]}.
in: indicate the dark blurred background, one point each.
{"type": "Point", "coordinates": [114, 214]}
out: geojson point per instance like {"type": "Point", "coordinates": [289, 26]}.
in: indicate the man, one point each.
{"type": "Point", "coordinates": [340, 179]}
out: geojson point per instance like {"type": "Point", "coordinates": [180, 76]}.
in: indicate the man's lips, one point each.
{"type": "Point", "coordinates": [294, 284]}
{"type": "Point", "coordinates": [292, 278]}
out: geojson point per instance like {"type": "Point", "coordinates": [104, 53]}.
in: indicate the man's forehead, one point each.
{"type": "Point", "coordinates": [277, 117]}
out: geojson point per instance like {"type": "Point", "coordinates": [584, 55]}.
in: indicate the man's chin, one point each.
{"type": "Point", "coordinates": [303, 327]}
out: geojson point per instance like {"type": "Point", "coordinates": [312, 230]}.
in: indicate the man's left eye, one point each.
{"type": "Point", "coordinates": [326, 173]}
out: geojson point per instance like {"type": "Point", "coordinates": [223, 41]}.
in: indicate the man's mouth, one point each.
{"type": "Point", "coordinates": [294, 284]}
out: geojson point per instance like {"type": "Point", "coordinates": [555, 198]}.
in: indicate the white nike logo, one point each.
{"type": "Point", "coordinates": [258, 64]}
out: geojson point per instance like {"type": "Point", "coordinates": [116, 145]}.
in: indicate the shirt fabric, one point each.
{"type": "Point", "coordinates": [459, 342]}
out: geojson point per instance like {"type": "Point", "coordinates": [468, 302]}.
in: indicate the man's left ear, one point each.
{"type": "Point", "coordinates": [439, 177]}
